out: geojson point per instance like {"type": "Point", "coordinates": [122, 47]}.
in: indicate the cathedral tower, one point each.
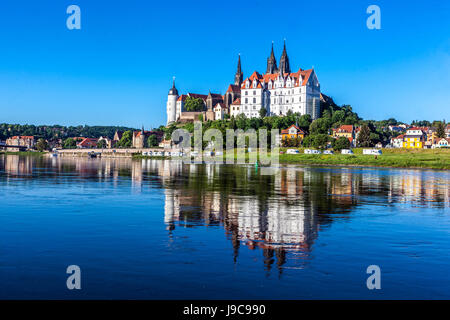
{"type": "Point", "coordinates": [238, 78]}
{"type": "Point", "coordinates": [172, 104]}
{"type": "Point", "coordinates": [284, 61]}
{"type": "Point", "coordinates": [271, 62]}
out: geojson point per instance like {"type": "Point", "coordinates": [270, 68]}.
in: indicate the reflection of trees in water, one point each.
{"type": "Point", "coordinates": [277, 214]}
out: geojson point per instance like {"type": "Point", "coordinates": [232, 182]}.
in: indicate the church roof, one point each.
{"type": "Point", "coordinates": [233, 88]}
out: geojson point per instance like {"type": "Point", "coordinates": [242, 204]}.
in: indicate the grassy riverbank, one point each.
{"type": "Point", "coordinates": [398, 158]}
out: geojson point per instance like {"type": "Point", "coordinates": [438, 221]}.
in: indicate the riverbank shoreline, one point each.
{"type": "Point", "coordinates": [437, 159]}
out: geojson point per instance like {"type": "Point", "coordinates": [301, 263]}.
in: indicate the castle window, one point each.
{"type": "Point", "coordinates": [246, 100]}
{"type": "Point", "coordinates": [246, 93]}
{"type": "Point", "coordinates": [254, 92]}
{"type": "Point", "coordinates": [254, 100]}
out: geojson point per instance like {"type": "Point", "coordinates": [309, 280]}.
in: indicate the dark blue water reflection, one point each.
{"type": "Point", "coordinates": [155, 229]}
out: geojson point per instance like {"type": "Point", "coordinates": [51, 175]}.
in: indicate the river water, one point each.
{"type": "Point", "coordinates": [155, 229]}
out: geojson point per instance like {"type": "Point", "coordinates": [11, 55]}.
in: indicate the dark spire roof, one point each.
{"type": "Point", "coordinates": [239, 65]}
{"type": "Point", "coordinates": [271, 62]}
{"type": "Point", "coordinates": [284, 61]}
{"type": "Point", "coordinates": [272, 54]}
{"type": "Point", "coordinates": [239, 76]}
{"type": "Point", "coordinates": [173, 91]}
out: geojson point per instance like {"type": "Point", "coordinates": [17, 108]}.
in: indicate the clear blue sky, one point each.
{"type": "Point", "coordinates": [118, 68]}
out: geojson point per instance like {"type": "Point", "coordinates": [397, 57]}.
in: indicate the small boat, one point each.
{"type": "Point", "coordinates": [54, 154]}
{"type": "Point", "coordinates": [92, 155]}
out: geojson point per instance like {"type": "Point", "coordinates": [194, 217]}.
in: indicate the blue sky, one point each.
{"type": "Point", "coordinates": [118, 68]}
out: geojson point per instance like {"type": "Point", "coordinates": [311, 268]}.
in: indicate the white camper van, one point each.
{"type": "Point", "coordinates": [346, 151]}
{"type": "Point", "coordinates": [374, 152]}
{"type": "Point", "coordinates": [292, 151]}
{"type": "Point", "coordinates": [311, 151]}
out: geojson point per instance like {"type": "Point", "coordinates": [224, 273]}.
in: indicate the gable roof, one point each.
{"type": "Point", "coordinates": [299, 130]}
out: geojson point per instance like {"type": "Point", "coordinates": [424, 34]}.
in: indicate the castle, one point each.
{"type": "Point", "coordinates": [278, 91]}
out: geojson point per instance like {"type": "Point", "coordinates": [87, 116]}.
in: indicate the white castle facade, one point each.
{"type": "Point", "coordinates": [278, 91]}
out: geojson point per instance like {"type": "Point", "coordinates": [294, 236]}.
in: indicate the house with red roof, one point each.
{"type": "Point", "coordinates": [87, 143]}
{"type": "Point", "coordinates": [397, 142]}
{"type": "Point", "coordinates": [292, 132]}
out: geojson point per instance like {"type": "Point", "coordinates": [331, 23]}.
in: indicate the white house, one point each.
{"type": "Point", "coordinates": [441, 143]}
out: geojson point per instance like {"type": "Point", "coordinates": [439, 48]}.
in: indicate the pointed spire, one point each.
{"type": "Point", "coordinates": [271, 62]}
{"type": "Point", "coordinates": [239, 76]}
{"type": "Point", "coordinates": [272, 54]}
{"type": "Point", "coordinates": [284, 61]}
{"type": "Point", "coordinates": [239, 64]}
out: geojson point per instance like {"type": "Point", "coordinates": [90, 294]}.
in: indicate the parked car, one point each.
{"type": "Point", "coordinates": [374, 152]}
{"type": "Point", "coordinates": [328, 152]}
{"type": "Point", "coordinates": [144, 153]}
{"type": "Point", "coordinates": [292, 151]}
{"type": "Point", "coordinates": [346, 151]}
{"type": "Point", "coordinates": [312, 151]}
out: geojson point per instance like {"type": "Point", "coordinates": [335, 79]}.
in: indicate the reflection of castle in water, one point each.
{"type": "Point", "coordinates": [281, 215]}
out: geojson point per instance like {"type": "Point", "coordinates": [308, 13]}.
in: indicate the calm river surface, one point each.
{"type": "Point", "coordinates": [153, 229]}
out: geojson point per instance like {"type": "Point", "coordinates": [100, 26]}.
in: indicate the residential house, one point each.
{"type": "Point", "coordinates": [347, 131]}
{"type": "Point", "coordinates": [447, 131]}
{"type": "Point", "coordinates": [87, 143]}
{"type": "Point", "coordinates": [293, 132]}
{"type": "Point", "coordinates": [441, 143]}
{"type": "Point", "coordinates": [397, 142]}
{"type": "Point", "coordinates": [234, 108]}
{"type": "Point", "coordinates": [414, 138]}
{"type": "Point", "coordinates": [220, 110]}
{"type": "Point", "coordinates": [27, 142]}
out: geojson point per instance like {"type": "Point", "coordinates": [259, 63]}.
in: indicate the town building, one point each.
{"type": "Point", "coordinates": [441, 143]}
{"type": "Point", "coordinates": [27, 142]}
{"type": "Point", "coordinates": [293, 132]}
{"type": "Point", "coordinates": [278, 91]}
{"type": "Point", "coordinates": [397, 142]}
{"type": "Point", "coordinates": [414, 138]}
{"type": "Point", "coordinates": [140, 138]}
{"type": "Point", "coordinates": [87, 143]}
{"type": "Point", "coordinates": [346, 131]}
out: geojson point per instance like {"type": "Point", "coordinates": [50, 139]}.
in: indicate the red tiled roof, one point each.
{"type": "Point", "coordinates": [344, 129]}
{"type": "Point", "coordinates": [22, 137]}
{"type": "Point", "coordinates": [299, 131]}
{"type": "Point", "coordinates": [237, 101]}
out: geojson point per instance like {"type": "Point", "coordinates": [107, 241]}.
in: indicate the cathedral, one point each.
{"type": "Point", "coordinates": [277, 91]}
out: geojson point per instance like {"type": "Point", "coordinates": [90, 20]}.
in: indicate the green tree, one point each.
{"type": "Point", "coordinates": [364, 139]}
{"type": "Point", "coordinates": [127, 139]}
{"type": "Point", "coordinates": [304, 121]}
{"type": "Point", "coordinates": [42, 145]}
{"type": "Point", "coordinates": [319, 126]}
{"type": "Point", "coordinates": [152, 141]}
{"type": "Point", "coordinates": [341, 143]}
{"type": "Point", "coordinates": [69, 143]}
{"type": "Point", "coordinates": [101, 144]}
{"type": "Point", "coordinates": [194, 104]}
{"type": "Point", "coordinates": [262, 112]}
{"type": "Point", "coordinates": [440, 130]}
